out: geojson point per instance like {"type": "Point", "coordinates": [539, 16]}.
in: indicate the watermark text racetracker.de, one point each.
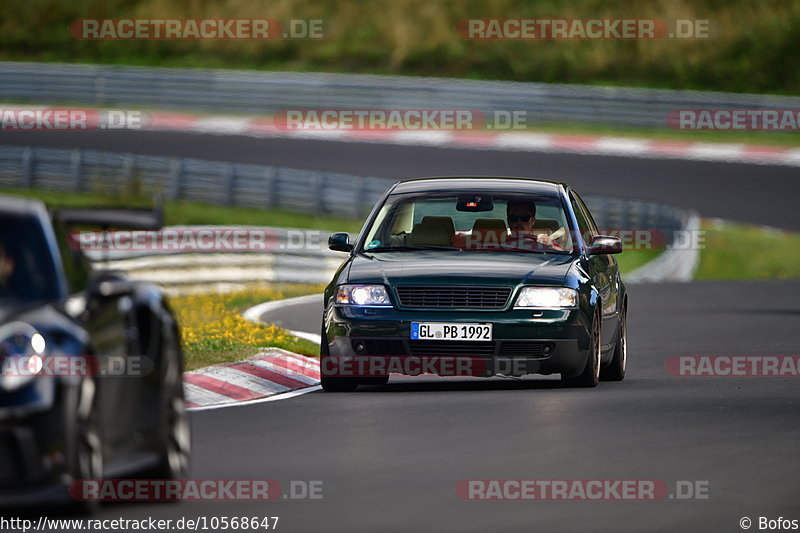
{"type": "Point", "coordinates": [734, 366]}
{"type": "Point", "coordinates": [133, 29]}
{"type": "Point", "coordinates": [152, 490]}
{"type": "Point", "coordinates": [206, 239]}
{"type": "Point", "coordinates": [24, 366]}
{"type": "Point", "coordinates": [50, 119]}
{"type": "Point", "coordinates": [787, 120]}
{"type": "Point", "coordinates": [395, 119]}
{"type": "Point", "coordinates": [234, 239]}
{"type": "Point", "coordinates": [546, 29]}
{"type": "Point", "coordinates": [581, 490]}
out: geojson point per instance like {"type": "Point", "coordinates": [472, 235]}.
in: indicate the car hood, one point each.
{"type": "Point", "coordinates": [460, 268]}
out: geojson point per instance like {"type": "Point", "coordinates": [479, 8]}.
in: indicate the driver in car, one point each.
{"type": "Point", "coordinates": [521, 217]}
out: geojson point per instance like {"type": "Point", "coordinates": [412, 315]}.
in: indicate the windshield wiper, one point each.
{"type": "Point", "coordinates": [408, 247]}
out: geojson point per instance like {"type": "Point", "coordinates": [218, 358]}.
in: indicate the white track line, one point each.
{"type": "Point", "coordinates": [273, 398]}
{"type": "Point", "coordinates": [254, 313]}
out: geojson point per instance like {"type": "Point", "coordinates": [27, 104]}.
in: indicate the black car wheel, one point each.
{"type": "Point", "coordinates": [377, 380]}
{"type": "Point", "coordinates": [89, 446]}
{"type": "Point", "coordinates": [85, 442]}
{"type": "Point", "coordinates": [615, 371]}
{"type": "Point", "coordinates": [330, 383]}
{"type": "Point", "coordinates": [175, 446]}
{"type": "Point", "coordinates": [590, 376]}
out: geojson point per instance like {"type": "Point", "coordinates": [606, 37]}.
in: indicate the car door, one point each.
{"type": "Point", "coordinates": [601, 268]}
{"type": "Point", "coordinates": [107, 321]}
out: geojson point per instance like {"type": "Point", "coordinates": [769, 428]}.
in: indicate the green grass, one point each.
{"type": "Point", "coordinates": [738, 251]}
{"type": "Point", "coordinates": [630, 260]}
{"type": "Point", "coordinates": [213, 352]}
{"type": "Point", "coordinates": [194, 213]}
{"type": "Point", "coordinates": [241, 301]}
{"type": "Point", "coordinates": [213, 330]}
{"type": "Point", "coordinates": [752, 48]}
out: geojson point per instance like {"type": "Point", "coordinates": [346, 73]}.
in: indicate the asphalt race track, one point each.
{"type": "Point", "coordinates": [390, 457]}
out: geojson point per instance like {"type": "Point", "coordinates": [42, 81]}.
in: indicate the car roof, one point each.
{"type": "Point", "coordinates": [20, 206]}
{"type": "Point", "coordinates": [466, 183]}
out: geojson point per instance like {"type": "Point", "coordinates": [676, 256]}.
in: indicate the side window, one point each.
{"type": "Point", "coordinates": [583, 222]}
{"type": "Point", "coordinates": [76, 266]}
{"type": "Point", "coordinates": [588, 215]}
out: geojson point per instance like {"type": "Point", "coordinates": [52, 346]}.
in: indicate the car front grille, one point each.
{"type": "Point", "coordinates": [432, 297]}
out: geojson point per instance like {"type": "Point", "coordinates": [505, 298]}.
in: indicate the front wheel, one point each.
{"type": "Point", "coordinates": [590, 376]}
{"type": "Point", "coordinates": [338, 384]}
{"type": "Point", "coordinates": [615, 371]}
{"type": "Point", "coordinates": [375, 380]}
{"type": "Point", "coordinates": [85, 446]}
{"type": "Point", "coordinates": [330, 383]}
{"type": "Point", "coordinates": [175, 433]}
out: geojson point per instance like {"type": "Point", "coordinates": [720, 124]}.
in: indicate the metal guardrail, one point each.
{"type": "Point", "coordinates": [248, 92]}
{"type": "Point", "coordinates": [238, 184]}
{"type": "Point", "coordinates": [216, 182]}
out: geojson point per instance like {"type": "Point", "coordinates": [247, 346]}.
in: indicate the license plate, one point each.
{"type": "Point", "coordinates": [445, 331]}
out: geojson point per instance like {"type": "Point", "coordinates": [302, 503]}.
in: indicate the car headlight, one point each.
{"type": "Point", "coordinates": [547, 297]}
{"type": "Point", "coordinates": [21, 347]}
{"type": "Point", "coordinates": [363, 295]}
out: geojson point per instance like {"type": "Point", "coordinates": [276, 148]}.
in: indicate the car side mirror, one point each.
{"type": "Point", "coordinates": [340, 242]}
{"type": "Point", "coordinates": [603, 244]}
{"type": "Point", "coordinates": [109, 285]}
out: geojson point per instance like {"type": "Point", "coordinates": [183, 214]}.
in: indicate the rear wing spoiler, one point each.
{"type": "Point", "coordinates": [112, 217]}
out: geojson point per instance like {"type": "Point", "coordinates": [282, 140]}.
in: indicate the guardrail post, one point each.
{"type": "Point", "coordinates": [361, 197]}
{"type": "Point", "coordinates": [229, 180]}
{"type": "Point", "coordinates": [27, 168]}
{"type": "Point", "coordinates": [176, 179]}
{"type": "Point", "coordinates": [628, 215]}
{"type": "Point", "coordinates": [271, 186]}
{"type": "Point", "coordinates": [99, 91]}
{"type": "Point", "coordinates": [127, 170]}
{"type": "Point", "coordinates": [75, 170]}
{"type": "Point", "coordinates": [319, 191]}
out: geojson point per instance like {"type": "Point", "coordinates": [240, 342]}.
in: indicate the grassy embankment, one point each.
{"type": "Point", "coordinates": [752, 47]}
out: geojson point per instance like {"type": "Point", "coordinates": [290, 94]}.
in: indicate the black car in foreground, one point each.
{"type": "Point", "coordinates": [475, 276]}
{"type": "Point", "coordinates": [91, 383]}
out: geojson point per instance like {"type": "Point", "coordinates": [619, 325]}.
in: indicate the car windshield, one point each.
{"type": "Point", "coordinates": [26, 265]}
{"type": "Point", "coordinates": [470, 222]}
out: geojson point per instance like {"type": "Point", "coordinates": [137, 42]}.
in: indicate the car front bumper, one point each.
{"type": "Point", "coordinates": [524, 341]}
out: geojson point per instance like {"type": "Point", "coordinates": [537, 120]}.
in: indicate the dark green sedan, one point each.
{"type": "Point", "coordinates": [478, 277]}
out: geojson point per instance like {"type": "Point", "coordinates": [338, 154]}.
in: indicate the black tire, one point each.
{"type": "Point", "coordinates": [590, 376]}
{"type": "Point", "coordinates": [85, 442]}
{"type": "Point", "coordinates": [174, 431]}
{"type": "Point", "coordinates": [330, 383]}
{"type": "Point", "coordinates": [377, 380]}
{"type": "Point", "coordinates": [339, 384]}
{"type": "Point", "coordinates": [615, 371]}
